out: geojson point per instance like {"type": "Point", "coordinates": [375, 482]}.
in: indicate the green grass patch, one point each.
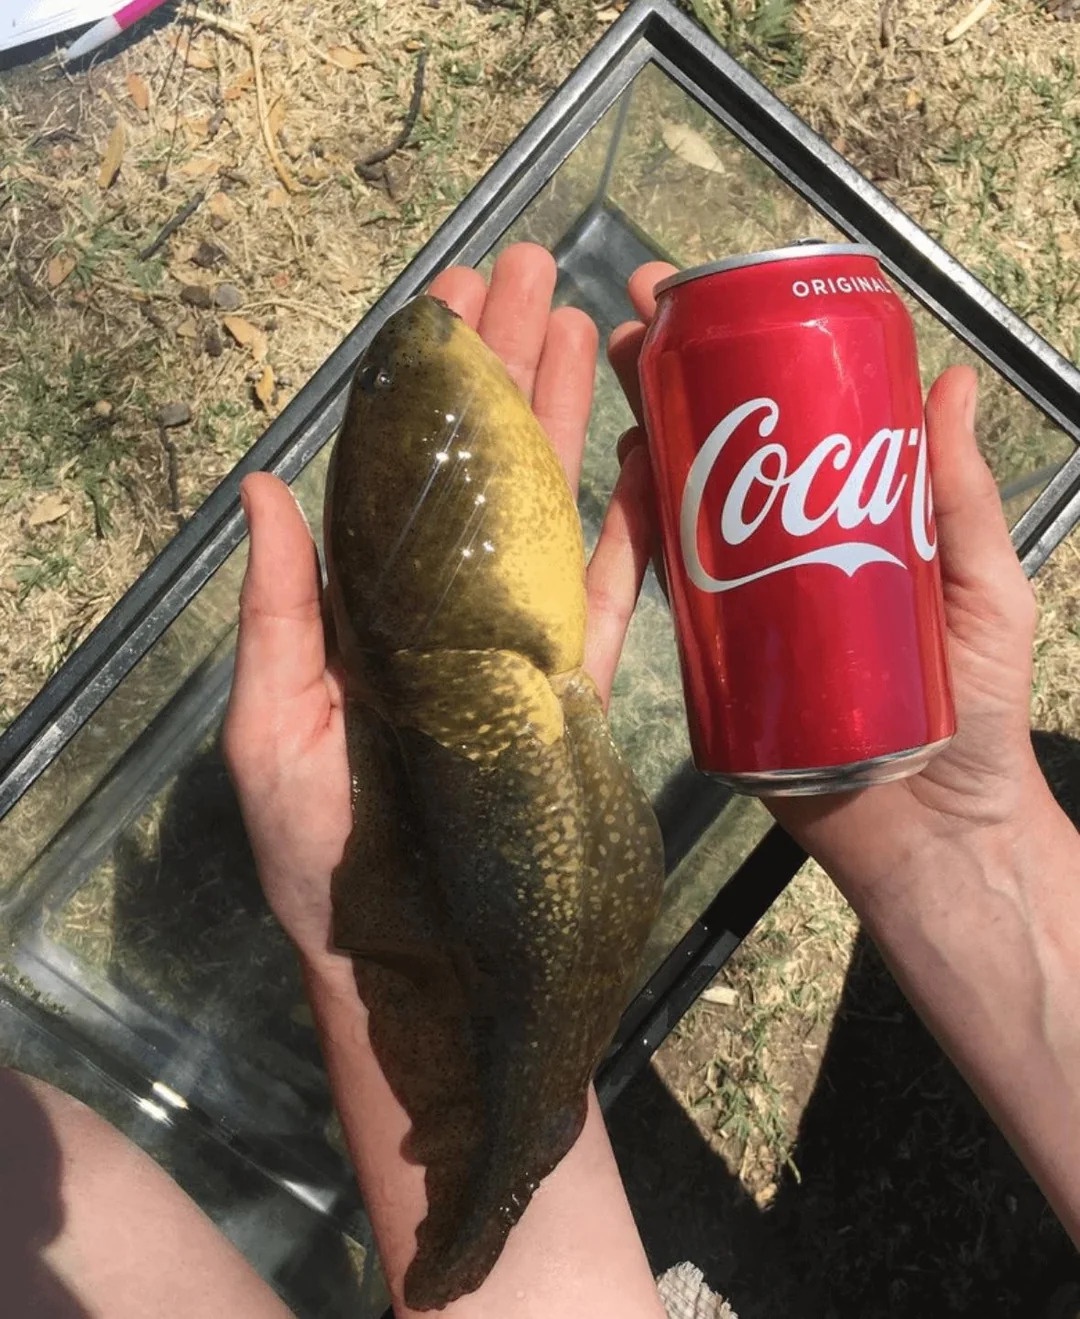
{"type": "Point", "coordinates": [763, 34]}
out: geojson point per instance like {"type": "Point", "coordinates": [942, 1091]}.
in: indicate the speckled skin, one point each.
{"type": "Point", "coordinates": [504, 867]}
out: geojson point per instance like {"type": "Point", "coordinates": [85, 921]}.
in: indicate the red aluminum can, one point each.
{"type": "Point", "coordinates": [785, 423]}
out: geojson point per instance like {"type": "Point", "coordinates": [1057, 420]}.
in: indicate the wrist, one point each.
{"type": "Point", "coordinates": [918, 829]}
{"type": "Point", "coordinates": [940, 859]}
{"type": "Point", "coordinates": [331, 989]}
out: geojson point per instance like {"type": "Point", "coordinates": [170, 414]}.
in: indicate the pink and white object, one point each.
{"type": "Point", "coordinates": [109, 28]}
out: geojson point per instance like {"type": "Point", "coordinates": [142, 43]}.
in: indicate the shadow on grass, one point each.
{"type": "Point", "coordinates": [908, 1201]}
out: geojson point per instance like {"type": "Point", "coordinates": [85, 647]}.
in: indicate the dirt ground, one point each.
{"type": "Point", "coordinates": [818, 1156]}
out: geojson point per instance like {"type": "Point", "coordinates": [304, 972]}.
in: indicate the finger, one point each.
{"type": "Point", "coordinates": [973, 536]}
{"type": "Point", "coordinates": [562, 393]}
{"type": "Point", "coordinates": [642, 286]}
{"type": "Point", "coordinates": [280, 647]}
{"type": "Point", "coordinates": [627, 441]}
{"type": "Point", "coordinates": [514, 320]}
{"type": "Point", "coordinates": [461, 289]}
{"type": "Point", "coordinates": [617, 569]}
{"type": "Point", "coordinates": [623, 350]}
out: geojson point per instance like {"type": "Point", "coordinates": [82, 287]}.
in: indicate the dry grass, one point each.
{"type": "Point", "coordinates": [97, 339]}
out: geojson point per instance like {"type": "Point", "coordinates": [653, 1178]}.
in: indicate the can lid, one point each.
{"type": "Point", "coordinates": [802, 247]}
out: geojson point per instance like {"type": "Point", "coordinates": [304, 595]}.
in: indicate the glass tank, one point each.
{"type": "Point", "coordinates": [141, 968]}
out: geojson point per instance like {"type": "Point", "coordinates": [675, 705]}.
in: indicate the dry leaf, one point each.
{"type": "Point", "coordinates": [138, 91]}
{"type": "Point", "coordinates": [197, 169]}
{"type": "Point", "coordinates": [221, 207]}
{"type": "Point", "coordinates": [688, 144]}
{"type": "Point", "coordinates": [722, 995]}
{"type": "Point", "coordinates": [49, 508]}
{"type": "Point", "coordinates": [237, 88]}
{"type": "Point", "coordinates": [347, 57]}
{"type": "Point", "coordinates": [192, 55]}
{"type": "Point", "coordinates": [313, 172]}
{"type": "Point", "coordinates": [187, 329]}
{"type": "Point", "coordinates": [276, 117]}
{"type": "Point", "coordinates": [264, 387]}
{"type": "Point", "coordinates": [195, 130]}
{"type": "Point", "coordinates": [247, 335]}
{"type": "Point", "coordinates": [114, 154]}
{"type": "Point", "coordinates": [59, 268]}
{"type": "Point", "coordinates": [351, 279]}
{"type": "Point", "coordinates": [277, 197]}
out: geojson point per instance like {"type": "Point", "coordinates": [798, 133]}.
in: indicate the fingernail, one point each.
{"type": "Point", "coordinates": [300, 510]}
{"type": "Point", "coordinates": [970, 404]}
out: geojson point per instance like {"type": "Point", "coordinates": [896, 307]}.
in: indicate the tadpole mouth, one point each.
{"type": "Point", "coordinates": [445, 306]}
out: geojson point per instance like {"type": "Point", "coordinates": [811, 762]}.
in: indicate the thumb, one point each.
{"type": "Point", "coordinates": [973, 536]}
{"type": "Point", "coordinates": [617, 567]}
{"type": "Point", "coordinates": [280, 647]}
{"type": "Point", "coordinates": [989, 603]}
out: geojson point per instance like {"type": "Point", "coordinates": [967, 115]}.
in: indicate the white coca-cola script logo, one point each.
{"type": "Point", "coordinates": [871, 492]}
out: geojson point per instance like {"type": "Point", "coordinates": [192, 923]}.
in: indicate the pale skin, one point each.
{"type": "Point", "coordinates": [964, 875]}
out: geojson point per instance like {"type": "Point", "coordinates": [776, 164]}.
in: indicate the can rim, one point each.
{"type": "Point", "coordinates": [807, 247]}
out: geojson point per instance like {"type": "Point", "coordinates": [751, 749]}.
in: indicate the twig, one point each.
{"type": "Point", "coordinates": [886, 23]}
{"type": "Point", "coordinates": [222, 24]}
{"type": "Point", "coordinates": [172, 224]}
{"type": "Point", "coordinates": [307, 310]}
{"type": "Point", "coordinates": [248, 37]}
{"type": "Point", "coordinates": [329, 59]}
{"type": "Point", "coordinates": [171, 476]}
{"type": "Point", "coordinates": [363, 167]}
{"type": "Point", "coordinates": [163, 177]}
{"type": "Point", "coordinates": [969, 20]}
{"type": "Point", "coordinates": [287, 180]}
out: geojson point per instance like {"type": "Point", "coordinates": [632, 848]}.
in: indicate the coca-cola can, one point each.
{"type": "Point", "coordinates": [784, 415]}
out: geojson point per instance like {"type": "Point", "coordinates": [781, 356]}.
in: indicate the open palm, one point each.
{"type": "Point", "coordinates": [284, 735]}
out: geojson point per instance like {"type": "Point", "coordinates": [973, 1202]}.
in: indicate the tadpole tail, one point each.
{"type": "Point", "coordinates": [455, 1254]}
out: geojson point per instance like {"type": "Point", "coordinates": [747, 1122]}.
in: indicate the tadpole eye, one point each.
{"type": "Point", "coordinates": [374, 377]}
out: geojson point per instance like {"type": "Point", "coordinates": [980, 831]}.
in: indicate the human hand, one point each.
{"type": "Point", "coordinates": [987, 778]}
{"type": "Point", "coordinates": [284, 734]}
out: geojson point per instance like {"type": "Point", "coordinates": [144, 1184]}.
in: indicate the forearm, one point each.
{"type": "Point", "coordinates": [576, 1250]}
{"type": "Point", "coordinates": [983, 934]}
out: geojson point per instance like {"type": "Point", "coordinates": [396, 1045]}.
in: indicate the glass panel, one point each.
{"type": "Point", "coordinates": [700, 195]}
{"type": "Point", "coordinates": [293, 1241]}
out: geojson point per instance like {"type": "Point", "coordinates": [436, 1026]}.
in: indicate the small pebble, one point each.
{"type": "Point", "coordinates": [228, 297]}
{"type": "Point", "coordinates": [174, 414]}
{"type": "Point", "coordinates": [213, 342]}
{"type": "Point", "coordinates": [195, 295]}
{"type": "Point", "coordinates": [209, 254]}
{"type": "Point", "coordinates": [103, 408]}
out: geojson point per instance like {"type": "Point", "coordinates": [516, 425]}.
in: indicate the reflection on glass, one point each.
{"type": "Point", "coordinates": [128, 895]}
{"type": "Point", "coordinates": [699, 195]}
